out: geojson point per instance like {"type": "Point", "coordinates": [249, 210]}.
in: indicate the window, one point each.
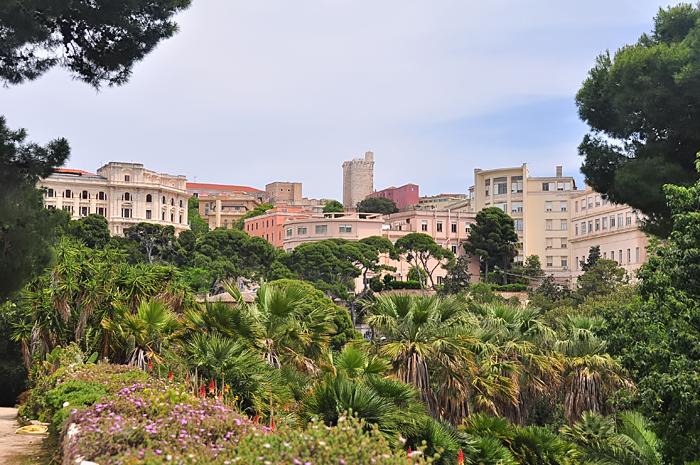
{"type": "Point", "coordinates": [590, 202]}
{"type": "Point", "coordinates": [172, 217]}
{"type": "Point", "coordinates": [126, 212]}
{"type": "Point", "coordinates": [575, 259]}
{"type": "Point", "coordinates": [629, 256]}
{"type": "Point", "coordinates": [289, 232]}
{"type": "Point", "coordinates": [501, 185]}
{"type": "Point", "coordinates": [149, 198]}
{"type": "Point", "coordinates": [597, 201]}
{"type": "Point", "coordinates": [68, 208]}
{"type": "Point", "coordinates": [612, 255]}
{"type": "Point", "coordinates": [564, 244]}
{"type": "Point", "coordinates": [225, 224]}
{"type": "Point", "coordinates": [560, 186]}
{"type": "Point", "coordinates": [454, 249]}
{"type": "Point", "coordinates": [267, 223]}
{"type": "Point", "coordinates": [564, 226]}
{"type": "Point", "coordinates": [628, 220]}
{"type": "Point", "coordinates": [576, 228]}
{"type": "Point", "coordinates": [605, 255]}
{"type": "Point", "coordinates": [563, 205]}
{"type": "Point", "coordinates": [549, 261]}
{"type": "Point", "coordinates": [605, 222]}
{"type": "Point", "coordinates": [612, 221]}
{"type": "Point", "coordinates": [583, 227]}
{"type": "Point", "coordinates": [516, 207]}
{"type": "Point", "coordinates": [636, 251]}
{"type": "Point", "coordinates": [619, 221]}
{"type": "Point", "coordinates": [163, 200]}
{"type": "Point", "coordinates": [321, 229]}
{"type": "Point", "coordinates": [518, 225]}
{"type": "Point", "coordinates": [564, 262]}
{"type": "Point", "coordinates": [597, 225]}
{"type": "Point", "coordinates": [289, 250]}
{"type": "Point", "coordinates": [148, 214]}
{"type": "Point", "coordinates": [85, 195]}
{"type": "Point", "coordinates": [548, 206]}
{"type": "Point", "coordinates": [49, 193]}
{"type": "Point", "coordinates": [503, 206]}
{"type": "Point", "coordinates": [101, 211]}
{"type": "Point", "coordinates": [439, 226]}
{"type": "Point", "coordinates": [605, 201]}
{"type": "Point", "coordinates": [424, 225]}
{"type": "Point", "coordinates": [180, 203]}
{"type": "Point", "coordinates": [345, 228]}
{"type": "Point", "coordinates": [548, 225]}
{"type": "Point", "coordinates": [583, 204]}
{"type": "Point", "coordinates": [590, 227]}
{"type": "Point", "coordinates": [549, 242]}
{"type": "Point", "coordinates": [127, 178]}
{"type": "Point", "coordinates": [162, 216]}
{"type": "Point", "coordinates": [101, 196]}
{"type": "Point", "coordinates": [567, 186]}
{"type": "Point", "coordinates": [172, 202]}
{"type": "Point", "coordinates": [68, 194]}
{"type": "Point", "coordinates": [576, 206]}
{"type": "Point", "coordinates": [516, 184]}
{"type": "Point", "coordinates": [84, 211]}
{"type": "Point", "coordinates": [467, 228]}
{"type": "Point", "coordinates": [453, 227]}
{"type": "Point", "coordinates": [127, 197]}
{"type": "Point", "coordinates": [487, 187]}
{"type": "Point", "coordinates": [545, 186]}
{"type": "Point", "coordinates": [301, 230]}
{"type": "Point", "coordinates": [620, 251]}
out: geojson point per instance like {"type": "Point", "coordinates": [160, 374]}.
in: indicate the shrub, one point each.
{"type": "Point", "coordinates": [376, 284]}
{"type": "Point", "coordinates": [403, 285]}
{"type": "Point", "coordinates": [509, 288]}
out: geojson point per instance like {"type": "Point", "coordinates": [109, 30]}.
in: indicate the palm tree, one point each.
{"type": "Point", "coordinates": [593, 374]}
{"type": "Point", "coordinates": [142, 334]}
{"type": "Point", "coordinates": [603, 440]}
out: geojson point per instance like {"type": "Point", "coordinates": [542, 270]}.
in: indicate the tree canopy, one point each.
{"type": "Point", "coordinates": [493, 238]}
{"type": "Point", "coordinates": [420, 249]}
{"type": "Point", "coordinates": [93, 230]}
{"type": "Point", "coordinates": [333, 206]}
{"type": "Point", "coordinates": [97, 41]}
{"type": "Point", "coordinates": [27, 229]}
{"type": "Point", "coordinates": [643, 108]}
{"type": "Point", "coordinates": [377, 205]}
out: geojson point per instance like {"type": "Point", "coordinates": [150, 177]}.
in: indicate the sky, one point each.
{"type": "Point", "coordinates": [257, 91]}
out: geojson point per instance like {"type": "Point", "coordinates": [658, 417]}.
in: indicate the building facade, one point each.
{"type": "Point", "coordinates": [358, 180]}
{"type": "Point", "coordinates": [614, 228]}
{"type": "Point", "coordinates": [539, 206]}
{"type": "Point", "coordinates": [402, 196]}
{"type": "Point", "coordinates": [224, 210]}
{"type": "Point", "coordinates": [199, 189]}
{"type": "Point", "coordinates": [124, 193]}
{"type": "Point", "coordinates": [443, 201]}
{"type": "Point", "coordinates": [288, 192]}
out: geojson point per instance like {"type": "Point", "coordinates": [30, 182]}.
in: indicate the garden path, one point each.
{"type": "Point", "coordinates": [13, 445]}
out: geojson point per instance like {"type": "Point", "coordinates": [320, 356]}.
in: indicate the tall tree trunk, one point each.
{"type": "Point", "coordinates": [420, 279]}
{"type": "Point", "coordinates": [486, 274]}
{"type": "Point", "coordinates": [505, 271]}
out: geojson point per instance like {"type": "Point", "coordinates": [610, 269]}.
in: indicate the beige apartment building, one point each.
{"type": "Point", "coordinates": [290, 194]}
{"type": "Point", "coordinates": [223, 210]}
{"type": "Point", "coordinates": [124, 193]}
{"type": "Point", "coordinates": [540, 207]}
{"type": "Point", "coordinates": [615, 228]}
{"type": "Point", "coordinates": [443, 201]}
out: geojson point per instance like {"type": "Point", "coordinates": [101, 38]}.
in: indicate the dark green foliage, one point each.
{"type": "Point", "coordinates": [377, 205]}
{"type": "Point", "coordinates": [643, 107]}
{"type": "Point", "coordinates": [509, 288]}
{"type": "Point", "coordinates": [420, 249]}
{"type": "Point", "coordinates": [493, 239]}
{"type": "Point", "coordinates": [376, 284]}
{"type": "Point", "coordinates": [603, 278]}
{"type": "Point", "coordinates": [458, 277]}
{"type": "Point", "coordinates": [13, 373]}
{"type": "Point", "coordinates": [27, 229]}
{"type": "Point", "coordinates": [98, 41]}
{"type": "Point", "coordinates": [593, 256]}
{"type": "Point", "coordinates": [156, 241]}
{"type": "Point", "coordinates": [333, 206]}
{"type": "Point", "coordinates": [403, 285]}
{"type": "Point", "coordinates": [197, 225]}
{"type": "Point", "coordinates": [549, 295]}
{"type": "Point", "coordinates": [416, 274]}
{"type": "Point", "coordinates": [92, 230]}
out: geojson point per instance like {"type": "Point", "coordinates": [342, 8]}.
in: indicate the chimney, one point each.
{"type": "Point", "coordinates": [559, 170]}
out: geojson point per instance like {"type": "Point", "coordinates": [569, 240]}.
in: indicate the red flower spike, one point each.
{"type": "Point", "coordinates": [272, 423]}
{"type": "Point", "coordinates": [170, 376]}
{"type": "Point", "coordinates": [150, 364]}
{"type": "Point", "coordinates": [409, 451]}
{"type": "Point", "coordinates": [256, 419]}
{"type": "Point", "coordinates": [460, 458]}
{"type": "Point", "coordinates": [203, 391]}
{"type": "Point", "coordinates": [211, 386]}
{"type": "Point", "coordinates": [219, 396]}
{"type": "Point", "coordinates": [226, 388]}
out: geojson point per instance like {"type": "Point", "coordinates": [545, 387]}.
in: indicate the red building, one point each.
{"type": "Point", "coordinates": [402, 196]}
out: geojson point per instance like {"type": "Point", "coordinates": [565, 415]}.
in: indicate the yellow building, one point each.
{"type": "Point", "coordinates": [222, 210]}
{"type": "Point", "coordinates": [540, 208]}
{"type": "Point", "coordinates": [124, 193]}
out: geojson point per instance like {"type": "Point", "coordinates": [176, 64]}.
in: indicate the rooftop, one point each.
{"type": "Point", "coordinates": [223, 187]}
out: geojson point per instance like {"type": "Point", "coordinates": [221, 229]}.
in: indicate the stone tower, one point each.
{"type": "Point", "coordinates": [358, 179]}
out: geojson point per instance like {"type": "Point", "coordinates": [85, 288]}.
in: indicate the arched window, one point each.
{"type": "Point", "coordinates": [127, 178]}
{"type": "Point", "coordinates": [180, 203]}
{"type": "Point", "coordinates": [163, 202]}
{"type": "Point", "coordinates": [172, 202]}
{"type": "Point", "coordinates": [68, 194]}
{"type": "Point", "coordinates": [149, 199]}
{"type": "Point", "coordinates": [85, 195]}
{"type": "Point", "coordinates": [172, 218]}
{"type": "Point", "coordinates": [101, 196]}
{"type": "Point", "coordinates": [50, 193]}
{"type": "Point", "coordinates": [127, 197]}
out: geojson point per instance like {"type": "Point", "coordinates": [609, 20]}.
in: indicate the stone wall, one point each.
{"type": "Point", "coordinates": [358, 179]}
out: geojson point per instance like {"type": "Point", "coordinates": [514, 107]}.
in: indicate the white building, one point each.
{"type": "Point", "coordinates": [124, 193]}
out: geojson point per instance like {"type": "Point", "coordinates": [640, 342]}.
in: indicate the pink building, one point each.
{"type": "Point", "coordinates": [402, 196]}
{"type": "Point", "coordinates": [615, 228]}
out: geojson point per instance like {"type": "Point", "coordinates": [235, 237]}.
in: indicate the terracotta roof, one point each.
{"type": "Point", "coordinates": [71, 171]}
{"type": "Point", "coordinates": [222, 187]}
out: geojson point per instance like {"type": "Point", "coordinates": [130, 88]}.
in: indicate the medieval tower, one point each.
{"type": "Point", "coordinates": [358, 179]}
